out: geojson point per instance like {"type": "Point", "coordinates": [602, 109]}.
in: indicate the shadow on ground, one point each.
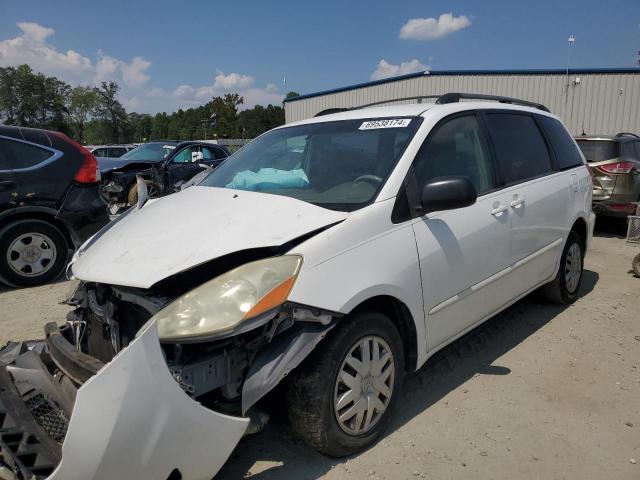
{"type": "Point", "coordinates": [610, 227]}
{"type": "Point", "coordinates": [447, 370]}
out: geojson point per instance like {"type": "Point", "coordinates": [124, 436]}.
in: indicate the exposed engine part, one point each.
{"type": "Point", "coordinates": [304, 314]}
{"type": "Point", "coordinates": [106, 312]}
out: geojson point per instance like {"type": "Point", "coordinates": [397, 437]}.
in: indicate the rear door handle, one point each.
{"type": "Point", "coordinates": [517, 202]}
{"type": "Point", "coordinates": [498, 210]}
{"type": "Point", "coordinates": [7, 185]}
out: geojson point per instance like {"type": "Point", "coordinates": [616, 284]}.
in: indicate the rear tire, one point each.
{"type": "Point", "coordinates": [565, 287]}
{"type": "Point", "coordinates": [318, 396]}
{"type": "Point", "coordinates": [32, 252]}
{"type": "Point", "coordinates": [635, 264]}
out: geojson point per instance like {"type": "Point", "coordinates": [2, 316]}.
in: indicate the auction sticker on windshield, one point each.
{"type": "Point", "coordinates": [386, 123]}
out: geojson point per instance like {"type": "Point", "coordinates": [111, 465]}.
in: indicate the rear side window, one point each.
{"type": "Point", "coordinates": [117, 152]}
{"type": "Point", "coordinates": [563, 146]}
{"type": "Point", "coordinates": [628, 150]}
{"type": "Point", "coordinates": [213, 153]}
{"type": "Point", "coordinates": [456, 148]}
{"type": "Point", "coordinates": [520, 149]}
{"type": "Point", "coordinates": [23, 155]}
{"type": "Point", "coordinates": [599, 150]}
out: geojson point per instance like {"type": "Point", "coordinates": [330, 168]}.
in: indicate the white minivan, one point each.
{"type": "Point", "coordinates": [318, 264]}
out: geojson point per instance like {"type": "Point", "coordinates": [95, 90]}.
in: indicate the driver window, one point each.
{"type": "Point", "coordinates": [456, 148]}
{"type": "Point", "coordinates": [184, 155]}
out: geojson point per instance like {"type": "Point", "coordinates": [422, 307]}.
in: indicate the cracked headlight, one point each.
{"type": "Point", "coordinates": [220, 305]}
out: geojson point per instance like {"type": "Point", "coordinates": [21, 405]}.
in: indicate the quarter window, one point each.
{"type": "Point", "coordinates": [563, 145]}
{"type": "Point", "coordinates": [23, 155]}
{"type": "Point", "coordinates": [520, 149]}
{"type": "Point", "coordinates": [456, 148]}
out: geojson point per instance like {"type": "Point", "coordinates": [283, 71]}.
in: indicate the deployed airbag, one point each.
{"type": "Point", "coordinates": [268, 179]}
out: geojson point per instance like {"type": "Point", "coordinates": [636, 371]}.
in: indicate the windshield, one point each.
{"type": "Point", "coordinates": [153, 152]}
{"type": "Point", "coordinates": [337, 165]}
{"type": "Point", "coordinates": [599, 150]}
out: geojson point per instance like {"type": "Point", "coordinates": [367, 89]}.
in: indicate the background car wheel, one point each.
{"type": "Point", "coordinates": [565, 287]}
{"type": "Point", "coordinates": [635, 264]}
{"type": "Point", "coordinates": [32, 252]}
{"type": "Point", "coordinates": [342, 397]}
{"type": "Point", "coordinates": [132, 196]}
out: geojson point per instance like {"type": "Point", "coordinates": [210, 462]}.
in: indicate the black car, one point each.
{"type": "Point", "coordinates": [163, 165]}
{"type": "Point", "coordinates": [49, 203]}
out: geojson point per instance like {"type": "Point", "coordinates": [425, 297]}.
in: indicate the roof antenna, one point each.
{"type": "Point", "coordinates": [583, 133]}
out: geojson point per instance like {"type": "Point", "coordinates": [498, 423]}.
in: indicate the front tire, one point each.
{"type": "Point", "coordinates": [565, 287]}
{"type": "Point", "coordinates": [341, 399]}
{"type": "Point", "coordinates": [132, 195]}
{"type": "Point", "coordinates": [32, 252]}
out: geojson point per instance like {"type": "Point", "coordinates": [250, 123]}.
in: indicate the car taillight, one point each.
{"type": "Point", "coordinates": [618, 167]}
{"type": "Point", "coordinates": [89, 172]}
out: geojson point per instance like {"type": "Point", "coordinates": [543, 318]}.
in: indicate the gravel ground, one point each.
{"type": "Point", "coordinates": [538, 392]}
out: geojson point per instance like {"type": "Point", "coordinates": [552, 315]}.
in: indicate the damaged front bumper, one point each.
{"type": "Point", "coordinates": [130, 420]}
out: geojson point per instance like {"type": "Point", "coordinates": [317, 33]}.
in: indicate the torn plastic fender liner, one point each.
{"type": "Point", "coordinates": [285, 353]}
{"type": "Point", "coordinates": [132, 420]}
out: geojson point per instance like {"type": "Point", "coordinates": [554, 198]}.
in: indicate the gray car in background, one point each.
{"type": "Point", "coordinates": [614, 162]}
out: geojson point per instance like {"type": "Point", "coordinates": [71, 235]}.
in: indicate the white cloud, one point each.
{"type": "Point", "coordinates": [386, 69]}
{"type": "Point", "coordinates": [34, 32]}
{"type": "Point", "coordinates": [432, 28]}
{"type": "Point", "coordinates": [33, 46]}
{"type": "Point", "coordinates": [233, 81]}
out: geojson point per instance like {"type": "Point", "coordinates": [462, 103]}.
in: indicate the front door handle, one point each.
{"type": "Point", "coordinates": [517, 202]}
{"type": "Point", "coordinates": [7, 185]}
{"type": "Point", "coordinates": [498, 210]}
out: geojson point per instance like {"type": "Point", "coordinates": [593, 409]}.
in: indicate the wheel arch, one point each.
{"type": "Point", "coordinates": [42, 214]}
{"type": "Point", "coordinates": [402, 318]}
{"type": "Point", "coordinates": [580, 227]}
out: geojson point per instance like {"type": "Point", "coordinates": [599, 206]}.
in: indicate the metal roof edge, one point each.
{"type": "Point", "coordinates": [433, 73]}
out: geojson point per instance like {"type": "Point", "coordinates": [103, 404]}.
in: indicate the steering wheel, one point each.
{"type": "Point", "coordinates": [372, 179]}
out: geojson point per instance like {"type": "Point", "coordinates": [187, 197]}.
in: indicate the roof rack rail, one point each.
{"type": "Point", "coordinates": [456, 97]}
{"type": "Point", "coordinates": [329, 111]}
{"type": "Point", "coordinates": [453, 97]}
{"type": "Point", "coordinates": [626, 134]}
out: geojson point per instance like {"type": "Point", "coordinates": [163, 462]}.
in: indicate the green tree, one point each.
{"type": "Point", "coordinates": [226, 110]}
{"type": "Point", "coordinates": [32, 99]}
{"type": "Point", "coordinates": [292, 95]}
{"type": "Point", "coordinates": [111, 110]}
{"type": "Point", "coordinates": [81, 105]}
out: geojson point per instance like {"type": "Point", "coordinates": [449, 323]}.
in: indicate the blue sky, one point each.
{"type": "Point", "coordinates": [171, 54]}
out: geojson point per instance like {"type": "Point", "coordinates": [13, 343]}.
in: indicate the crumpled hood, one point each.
{"type": "Point", "coordinates": [191, 227]}
{"type": "Point", "coordinates": [107, 164]}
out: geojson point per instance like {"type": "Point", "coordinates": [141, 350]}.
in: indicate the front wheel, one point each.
{"type": "Point", "coordinates": [152, 192]}
{"type": "Point", "coordinates": [342, 398]}
{"type": "Point", "coordinates": [564, 288]}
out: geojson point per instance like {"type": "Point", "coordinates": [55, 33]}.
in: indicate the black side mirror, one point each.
{"type": "Point", "coordinates": [447, 193]}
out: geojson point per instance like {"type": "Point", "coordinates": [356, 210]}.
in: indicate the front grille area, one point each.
{"type": "Point", "coordinates": [49, 416]}
{"type": "Point", "coordinates": [25, 448]}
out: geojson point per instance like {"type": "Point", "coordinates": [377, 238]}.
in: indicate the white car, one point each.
{"type": "Point", "coordinates": [327, 257]}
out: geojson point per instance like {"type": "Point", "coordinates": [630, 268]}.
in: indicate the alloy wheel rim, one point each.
{"type": "Point", "coordinates": [364, 385]}
{"type": "Point", "coordinates": [573, 268]}
{"type": "Point", "coordinates": [31, 254]}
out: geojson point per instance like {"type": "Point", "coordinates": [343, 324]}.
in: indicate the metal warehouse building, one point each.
{"type": "Point", "coordinates": [605, 101]}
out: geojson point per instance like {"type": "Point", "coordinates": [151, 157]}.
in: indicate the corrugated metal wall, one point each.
{"type": "Point", "coordinates": [604, 103]}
